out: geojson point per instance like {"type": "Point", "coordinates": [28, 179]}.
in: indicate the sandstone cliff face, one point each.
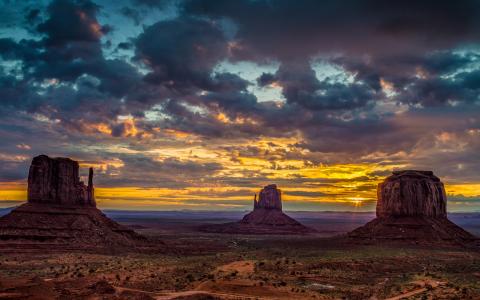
{"type": "Point", "coordinates": [270, 197]}
{"type": "Point", "coordinates": [412, 208]}
{"type": "Point", "coordinates": [56, 181]}
{"type": "Point", "coordinates": [412, 193]}
{"type": "Point", "coordinates": [267, 217]}
{"type": "Point", "coordinates": [61, 214]}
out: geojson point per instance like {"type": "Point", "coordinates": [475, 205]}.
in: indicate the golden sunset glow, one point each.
{"type": "Point", "coordinates": [348, 185]}
{"type": "Point", "coordinates": [178, 108]}
{"type": "Point", "coordinates": [467, 190]}
{"type": "Point", "coordinates": [102, 128]}
{"type": "Point", "coordinates": [13, 191]}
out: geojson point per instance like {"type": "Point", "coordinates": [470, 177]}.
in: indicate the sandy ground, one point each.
{"type": "Point", "coordinates": [209, 266]}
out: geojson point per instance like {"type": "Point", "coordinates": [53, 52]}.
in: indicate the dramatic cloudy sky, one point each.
{"type": "Point", "coordinates": [197, 104]}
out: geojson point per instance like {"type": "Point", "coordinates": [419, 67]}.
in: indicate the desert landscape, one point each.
{"type": "Point", "coordinates": [239, 149]}
{"type": "Point", "coordinates": [198, 265]}
{"type": "Point", "coordinates": [59, 246]}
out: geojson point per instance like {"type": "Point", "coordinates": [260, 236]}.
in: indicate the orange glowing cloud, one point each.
{"type": "Point", "coordinates": [276, 85]}
{"type": "Point", "coordinates": [223, 118]}
{"type": "Point", "coordinates": [130, 128]}
{"type": "Point", "coordinates": [176, 133]}
{"type": "Point", "coordinates": [102, 128]}
{"type": "Point", "coordinates": [387, 87]}
{"type": "Point", "coordinates": [92, 24]}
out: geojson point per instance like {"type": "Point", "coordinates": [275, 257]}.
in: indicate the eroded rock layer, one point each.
{"type": "Point", "coordinates": [269, 198]}
{"type": "Point", "coordinates": [412, 208]}
{"type": "Point", "coordinates": [61, 214]}
{"type": "Point", "coordinates": [56, 181]}
{"type": "Point", "coordinates": [411, 193]}
{"type": "Point", "coordinates": [60, 228]}
{"type": "Point", "coordinates": [267, 217]}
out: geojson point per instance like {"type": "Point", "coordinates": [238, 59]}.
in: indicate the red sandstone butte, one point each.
{"type": "Point", "coordinates": [56, 181]}
{"type": "Point", "coordinates": [412, 207]}
{"type": "Point", "coordinates": [267, 217]}
{"type": "Point", "coordinates": [61, 214]}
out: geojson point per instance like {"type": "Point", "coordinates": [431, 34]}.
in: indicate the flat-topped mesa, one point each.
{"type": "Point", "coordinates": [412, 208]}
{"type": "Point", "coordinates": [56, 181]}
{"type": "Point", "coordinates": [270, 197]}
{"type": "Point", "coordinates": [412, 193]}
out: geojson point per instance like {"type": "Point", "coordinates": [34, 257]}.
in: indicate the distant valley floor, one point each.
{"type": "Point", "coordinates": [326, 223]}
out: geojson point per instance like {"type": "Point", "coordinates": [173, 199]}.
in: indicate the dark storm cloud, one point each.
{"type": "Point", "coordinates": [71, 48]}
{"type": "Point", "coordinates": [463, 87]}
{"type": "Point", "coordinates": [397, 38]}
{"type": "Point", "coordinates": [33, 15]}
{"type": "Point", "coordinates": [444, 62]}
{"type": "Point", "coordinates": [70, 45]}
{"type": "Point", "coordinates": [229, 93]}
{"type": "Point", "coordinates": [13, 170]}
{"type": "Point", "coordinates": [154, 3]}
{"type": "Point", "coordinates": [301, 86]}
{"type": "Point", "coordinates": [132, 14]}
{"type": "Point", "coordinates": [181, 51]}
{"type": "Point", "coordinates": [69, 58]}
{"type": "Point", "coordinates": [286, 29]}
{"type": "Point", "coordinates": [409, 81]}
{"type": "Point", "coordinates": [429, 79]}
{"type": "Point", "coordinates": [72, 21]}
{"type": "Point", "coordinates": [266, 79]}
{"type": "Point", "coordinates": [25, 50]}
{"type": "Point", "coordinates": [357, 136]}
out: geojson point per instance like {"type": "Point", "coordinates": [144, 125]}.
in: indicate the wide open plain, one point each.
{"type": "Point", "coordinates": [196, 265]}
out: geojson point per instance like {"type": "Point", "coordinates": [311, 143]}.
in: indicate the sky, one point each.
{"type": "Point", "coordinates": [197, 104]}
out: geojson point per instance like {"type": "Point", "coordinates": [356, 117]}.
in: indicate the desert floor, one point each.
{"type": "Point", "coordinates": [195, 265]}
